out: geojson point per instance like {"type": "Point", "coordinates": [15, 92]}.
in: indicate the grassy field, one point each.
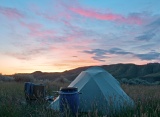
{"type": "Point", "coordinates": [12, 102]}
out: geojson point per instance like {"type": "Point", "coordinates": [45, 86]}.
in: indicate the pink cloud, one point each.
{"type": "Point", "coordinates": [54, 17]}
{"type": "Point", "coordinates": [11, 13]}
{"type": "Point", "coordinates": [56, 13]}
{"type": "Point", "coordinates": [47, 16]}
{"type": "Point", "coordinates": [38, 11]}
{"type": "Point", "coordinates": [94, 14]}
{"type": "Point", "coordinates": [32, 26]}
{"type": "Point", "coordinates": [106, 16]}
{"type": "Point", "coordinates": [36, 30]}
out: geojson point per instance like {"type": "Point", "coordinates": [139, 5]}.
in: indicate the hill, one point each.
{"type": "Point", "coordinates": [149, 72]}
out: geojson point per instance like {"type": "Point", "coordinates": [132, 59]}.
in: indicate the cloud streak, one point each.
{"type": "Point", "coordinates": [131, 19]}
{"type": "Point", "coordinates": [101, 54]}
{"type": "Point", "coordinates": [36, 30]}
{"type": "Point", "coordinates": [149, 56]}
{"type": "Point", "coordinates": [28, 53]}
{"type": "Point", "coordinates": [151, 30]}
{"type": "Point", "coordinates": [11, 13]}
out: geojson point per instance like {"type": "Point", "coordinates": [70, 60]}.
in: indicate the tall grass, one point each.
{"type": "Point", "coordinates": [13, 104]}
{"type": "Point", "coordinates": [147, 100]}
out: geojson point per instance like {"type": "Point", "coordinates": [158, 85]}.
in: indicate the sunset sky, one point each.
{"type": "Point", "coordinates": [58, 35]}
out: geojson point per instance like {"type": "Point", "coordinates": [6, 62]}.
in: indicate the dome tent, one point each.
{"type": "Point", "coordinates": [100, 92]}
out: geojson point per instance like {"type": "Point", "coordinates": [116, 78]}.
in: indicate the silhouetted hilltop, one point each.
{"type": "Point", "coordinates": [149, 72]}
{"type": "Point", "coordinates": [132, 70]}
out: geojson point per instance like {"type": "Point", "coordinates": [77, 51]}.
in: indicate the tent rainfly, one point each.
{"type": "Point", "coordinates": [100, 92]}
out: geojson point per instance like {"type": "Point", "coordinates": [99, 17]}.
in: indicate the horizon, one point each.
{"type": "Point", "coordinates": [76, 68]}
{"type": "Point", "coordinates": [59, 35]}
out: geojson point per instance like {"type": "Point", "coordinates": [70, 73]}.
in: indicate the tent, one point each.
{"type": "Point", "coordinates": [100, 92]}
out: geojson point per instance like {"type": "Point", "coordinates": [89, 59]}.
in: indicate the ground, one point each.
{"type": "Point", "coordinates": [13, 104]}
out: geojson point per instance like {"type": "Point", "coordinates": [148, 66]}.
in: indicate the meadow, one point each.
{"type": "Point", "coordinates": [13, 104]}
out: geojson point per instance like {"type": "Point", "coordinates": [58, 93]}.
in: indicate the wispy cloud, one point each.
{"type": "Point", "coordinates": [99, 54]}
{"type": "Point", "coordinates": [57, 11]}
{"type": "Point", "coordinates": [149, 56]}
{"type": "Point", "coordinates": [11, 13]}
{"type": "Point", "coordinates": [102, 55]}
{"type": "Point", "coordinates": [151, 30]}
{"type": "Point", "coordinates": [37, 30]}
{"type": "Point", "coordinates": [133, 18]}
{"type": "Point", "coordinates": [68, 11]}
{"type": "Point", "coordinates": [146, 36]}
{"type": "Point", "coordinates": [118, 51]}
{"type": "Point", "coordinates": [27, 54]}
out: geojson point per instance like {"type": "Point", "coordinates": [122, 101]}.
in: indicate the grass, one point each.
{"type": "Point", "coordinates": [147, 99]}
{"type": "Point", "coordinates": [12, 102]}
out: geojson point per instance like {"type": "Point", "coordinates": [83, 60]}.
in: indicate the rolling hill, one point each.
{"type": "Point", "coordinates": [149, 72]}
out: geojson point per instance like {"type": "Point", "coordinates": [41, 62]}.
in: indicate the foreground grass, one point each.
{"type": "Point", "coordinates": [12, 102]}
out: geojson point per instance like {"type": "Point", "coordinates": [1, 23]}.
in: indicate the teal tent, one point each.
{"type": "Point", "coordinates": [100, 92]}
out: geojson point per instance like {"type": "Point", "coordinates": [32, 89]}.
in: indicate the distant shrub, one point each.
{"type": "Point", "coordinates": [132, 82]}
{"type": "Point", "coordinates": [6, 78]}
{"type": "Point", "coordinates": [124, 80]}
{"type": "Point", "coordinates": [23, 78]}
{"type": "Point", "coordinates": [137, 81]}
{"type": "Point", "coordinates": [156, 83]}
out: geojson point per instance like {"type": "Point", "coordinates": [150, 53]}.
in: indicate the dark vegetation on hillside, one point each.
{"type": "Point", "coordinates": [149, 72]}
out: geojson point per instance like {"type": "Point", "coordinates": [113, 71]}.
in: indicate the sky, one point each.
{"type": "Point", "coordinates": [58, 35]}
